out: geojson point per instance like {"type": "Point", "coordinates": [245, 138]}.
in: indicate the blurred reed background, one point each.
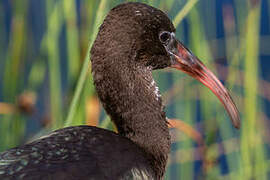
{"type": "Point", "coordinates": [45, 79]}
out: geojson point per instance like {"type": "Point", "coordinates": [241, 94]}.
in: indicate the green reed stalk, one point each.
{"type": "Point", "coordinates": [12, 126]}
{"type": "Point", "coordinates": [185, 10]}
{"type": "Point", "coordinates": [253, 156]}
{"type": "Point", "coordinates": [85, 67]}
{"type": "Point", "coordinates": [72, 37]}
{"type": "Point", "coordinates": [54, 21]}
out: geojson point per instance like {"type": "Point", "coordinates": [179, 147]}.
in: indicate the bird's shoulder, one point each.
{"type": "Point", "coordinates": [79, 152]}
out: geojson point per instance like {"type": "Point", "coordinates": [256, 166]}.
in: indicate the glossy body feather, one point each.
{"type": "Point", "coordinates": [83, 147]}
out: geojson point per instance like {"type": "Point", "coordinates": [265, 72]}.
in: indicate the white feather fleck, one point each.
{"type": "Point", "coordinates": [138, 13]}
{"type": "Point", "coordinates": [156, 89]}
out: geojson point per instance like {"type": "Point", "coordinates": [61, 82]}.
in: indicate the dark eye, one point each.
{"type": "Point", "coordinates": [165, 37]}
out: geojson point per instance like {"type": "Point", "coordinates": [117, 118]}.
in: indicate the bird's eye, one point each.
{"type": "Point", "coordinates": [165, 37]}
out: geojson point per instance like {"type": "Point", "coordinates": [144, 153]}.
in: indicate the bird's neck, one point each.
{"type": "Point", "coordinates": [131, 98]}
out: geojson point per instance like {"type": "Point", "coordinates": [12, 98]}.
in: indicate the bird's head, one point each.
{"type": "Point", "coordinates": [148, 36]}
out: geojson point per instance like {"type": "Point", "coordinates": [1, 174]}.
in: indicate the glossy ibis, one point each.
{"type": "Point", "coordinates": [133, 40]}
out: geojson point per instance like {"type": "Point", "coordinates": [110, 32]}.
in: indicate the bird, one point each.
{"type": "Point", "coordinates": [133, 40]}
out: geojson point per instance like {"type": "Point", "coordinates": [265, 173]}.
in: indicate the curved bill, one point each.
{"type": "Point", "coordinates": [185, 61]}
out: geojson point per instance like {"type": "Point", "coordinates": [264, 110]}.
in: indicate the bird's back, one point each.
{"type": "Point", "coordinates": [80, 152]}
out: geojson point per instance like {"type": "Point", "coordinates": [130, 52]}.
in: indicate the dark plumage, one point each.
{"type": "Point", "coordinates": [73, 153]}
{"type": "Point", "coordinates": [133, 40]}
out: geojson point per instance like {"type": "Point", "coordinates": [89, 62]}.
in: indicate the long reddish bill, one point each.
{"type": "Point", "coordinates": [190, 64]}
